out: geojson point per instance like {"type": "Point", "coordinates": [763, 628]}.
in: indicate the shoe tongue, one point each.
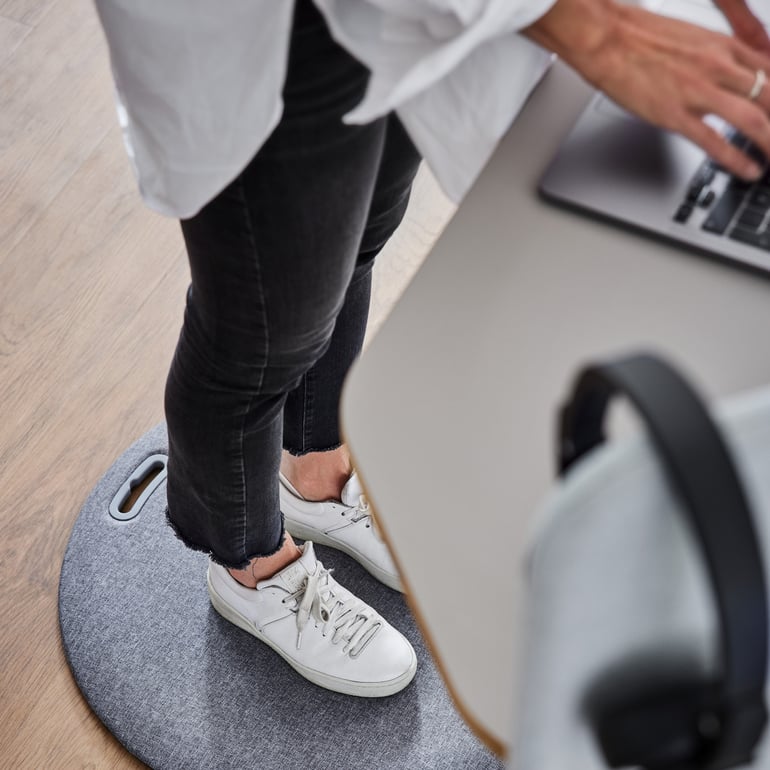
{"type": "Point", "coordinates": [352, 491]}
{"type": "Point", "coordinates": [292, 577]}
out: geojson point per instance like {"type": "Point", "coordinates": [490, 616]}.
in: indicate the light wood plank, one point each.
{"type": "Point", "coordinates": [86, 742]}
{"type": "Point", "coordinates": [29, 12]}
{"type": "Point", "coordinates": [50, 89]}
{"type": "Point", "coordinates": [82, 377]}
{"type": "Point", "coordinates": [11, 35]}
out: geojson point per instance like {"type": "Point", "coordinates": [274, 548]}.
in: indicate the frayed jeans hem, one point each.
{"type": "Point", "coordinates": [302, 452]}
{"type": "Point", "coordinates": [194, 546]}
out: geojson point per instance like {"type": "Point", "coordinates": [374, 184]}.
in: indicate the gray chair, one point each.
{"type": "Point", "coordinates": [616, 578]}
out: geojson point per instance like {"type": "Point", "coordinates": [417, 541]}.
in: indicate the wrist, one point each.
{"type": "Point", "coordinates": [577, 31]}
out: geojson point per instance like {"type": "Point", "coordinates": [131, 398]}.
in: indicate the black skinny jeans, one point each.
{"type": "Point", "coordinates": [281, 266]}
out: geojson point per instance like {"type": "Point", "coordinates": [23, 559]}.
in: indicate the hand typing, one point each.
{"type": "Point", "coordinates": [670, 72]}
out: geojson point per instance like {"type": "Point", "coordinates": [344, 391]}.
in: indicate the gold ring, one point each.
{"type": "Point", "coordinates": [759, 84]}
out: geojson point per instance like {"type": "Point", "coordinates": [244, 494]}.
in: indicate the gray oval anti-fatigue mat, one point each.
{"type": "Point", "coordinates": [180, 687]}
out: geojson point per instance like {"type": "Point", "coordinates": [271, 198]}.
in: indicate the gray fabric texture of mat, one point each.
{"type": "Point", "coordinates": [180, 687]}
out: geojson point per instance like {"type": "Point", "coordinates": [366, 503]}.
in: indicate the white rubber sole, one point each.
{"type": "Point", "coordinates": [344, 686]}
{"type": "Point", "coordinates": [297, 529]}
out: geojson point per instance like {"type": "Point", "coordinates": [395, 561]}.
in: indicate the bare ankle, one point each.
{"type": "Point", "coordinates": [318, 475]}
{"type": "Point", "coordinates": [264, 567]}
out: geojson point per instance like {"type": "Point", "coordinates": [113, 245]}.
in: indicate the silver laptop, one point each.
{"type": "Point", "coordinates": [616, 166]}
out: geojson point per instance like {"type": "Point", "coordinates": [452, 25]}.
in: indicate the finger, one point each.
{"type": "Point", "coordinates": [745, 24]}
{"type": "Point", "coordinates": [754, 61]}
{"type": "Point", "coordinates": [719, 149]}
{"type": "Point", "coordinates": [742, 80]}
{"type": "Point", "coordinates": [748, 117]}
{"type": "Point", "coordinates": [762, 97]}
{"type": "Point", "coordinates": [727, 89]}
{"type": "Point", "coordinates": [733, 65]}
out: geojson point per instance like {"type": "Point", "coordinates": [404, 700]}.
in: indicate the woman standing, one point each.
{"type": "Point", "coordinates": [235, 119]}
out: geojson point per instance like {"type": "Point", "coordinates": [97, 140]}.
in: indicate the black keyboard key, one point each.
{"type": "Point", "coordinates": [751, 218]}
{"type": "Point", "coordinates": [703, 176]}
{"type": "Point", "coordinates": [760, 240]}
{"type": "Point", "coordinates": [694, 192]}
{"type": "Point", "coordinates": [756, 155]}
{"type": "Point", "coordinates": [707, 199]}
{"type": "Point", "coordinates": [683, 213]}
{"type": "Point", "coordinates": [760, 197]}
{"type": "Point", "coordinates": [708, 173]}
{"type": "Point", "coordinates": [740, 185]}
{"type": "Point", "coordinates": [722, 214]}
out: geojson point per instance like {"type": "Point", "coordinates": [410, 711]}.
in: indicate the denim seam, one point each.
{"type": "Point", "coordinates": [307, 410]}
{"type": "Point", "coordinates": [304, 409]}
{"type": "Point", "coordinates": [253, 244]}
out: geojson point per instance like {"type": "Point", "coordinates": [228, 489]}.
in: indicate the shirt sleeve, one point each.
{"type": "Point", "coordinates": [198, 90]}
{"type": "Point", "coordinates": [456, 71]}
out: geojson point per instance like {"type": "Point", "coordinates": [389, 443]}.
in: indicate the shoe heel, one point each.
{"type": "Point", "coordinates": [226, 611]}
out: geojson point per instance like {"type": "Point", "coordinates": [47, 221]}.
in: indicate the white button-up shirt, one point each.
{"type": "Point", "coordinates": [199, 82]}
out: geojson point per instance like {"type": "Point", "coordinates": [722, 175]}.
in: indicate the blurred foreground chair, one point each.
{"type": "Point", "coordinates": [647, 628]}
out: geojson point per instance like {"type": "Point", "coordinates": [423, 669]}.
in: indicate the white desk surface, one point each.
{"type": "Point", "coordinates": [450, 414]}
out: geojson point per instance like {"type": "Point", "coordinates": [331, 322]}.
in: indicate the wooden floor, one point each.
{"type": "Point", "coordinates": [91, 294]}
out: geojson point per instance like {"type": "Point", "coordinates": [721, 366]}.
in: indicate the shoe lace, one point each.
{"type": "Point", "coordinates": [362, 510]}
{"type": "Point", "coordinates": [348, 619]}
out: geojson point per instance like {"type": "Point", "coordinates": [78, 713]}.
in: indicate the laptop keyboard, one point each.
{"type": "Point", "coordinates": [741, 211]}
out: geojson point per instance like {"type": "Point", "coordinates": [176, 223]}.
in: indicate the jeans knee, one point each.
{"type": "Point", "coordinates": [292, 355]}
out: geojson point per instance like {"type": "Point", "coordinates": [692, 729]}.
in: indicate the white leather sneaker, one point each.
{"type": "Point", "coordinates": [321, 629]}
{"type": "Point", "coordinates": [344, 524]}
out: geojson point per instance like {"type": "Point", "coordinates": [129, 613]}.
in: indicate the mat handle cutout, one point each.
{"type": "Point", "coordinates": [145, 480]}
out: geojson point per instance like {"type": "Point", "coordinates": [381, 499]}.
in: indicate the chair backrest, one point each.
{"type": "Point", "coordinates": [617, 580]}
